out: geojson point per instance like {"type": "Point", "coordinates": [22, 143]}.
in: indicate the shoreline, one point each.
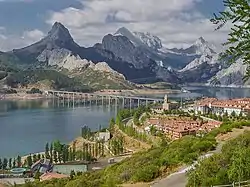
{"type": "Point", "coordinates": [135, 92]}
{"type": "Point", "coordinates": [217, 86]}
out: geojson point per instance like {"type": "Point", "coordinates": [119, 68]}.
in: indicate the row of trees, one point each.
{"type": "Point", "coordinates": [116, 145]}
{"type": "Point", "coordinates": [59, 153]}
{"type": "Point", "coordinates": [10, 163]}
{"type": "Point", "coordinates": [226, 116]}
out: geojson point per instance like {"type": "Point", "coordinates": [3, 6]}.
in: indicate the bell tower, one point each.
{"type": "Point", "coordinates": [166, 98]}
{"type": "Point", "coordinates": [165, 105]}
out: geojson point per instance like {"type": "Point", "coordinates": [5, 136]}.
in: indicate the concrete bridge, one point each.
{"type": "Point", "coordinates": [88, 97]}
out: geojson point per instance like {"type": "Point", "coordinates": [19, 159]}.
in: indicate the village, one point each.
{"type": "Point", "coordinates": [132, 131]}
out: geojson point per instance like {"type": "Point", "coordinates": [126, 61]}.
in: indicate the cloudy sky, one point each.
{"type": "Point", "coordinates": [178, 23]}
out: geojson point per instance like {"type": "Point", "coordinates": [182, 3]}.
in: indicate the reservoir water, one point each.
{"type": "Point", "coordinates": [26, 126]}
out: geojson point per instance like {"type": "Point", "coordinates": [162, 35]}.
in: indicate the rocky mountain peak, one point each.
{"type": "Point", "coordinates": [59, 32]}
{"type": "Point", "coordinates": [149, 39]}
{"type": "Point", "coordinates": [123, 31]}
{"type": "Point", "coordinates": [200, 41]}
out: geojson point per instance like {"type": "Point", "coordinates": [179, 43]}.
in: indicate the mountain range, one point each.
{"type": "Point", "coordinates": [122, 58]}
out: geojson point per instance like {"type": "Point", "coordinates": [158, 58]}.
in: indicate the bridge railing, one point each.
{"type": "Point", "coordinates": [236, 184]}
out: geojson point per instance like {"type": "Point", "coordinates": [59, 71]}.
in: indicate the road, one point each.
{"type": "Point", "coordinates": [179, 178]}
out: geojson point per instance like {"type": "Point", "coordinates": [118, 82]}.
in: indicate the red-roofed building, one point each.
{"type": "Point", "coordinates": [49, 176]}
{"type": "Point", "coordinates": [213, 105]}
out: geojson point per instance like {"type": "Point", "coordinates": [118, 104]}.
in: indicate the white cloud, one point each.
{"type": "Point", "coordinates": [9, 42]}
{"type": "Point", "coordinates": [33, 35]}
{"type": "Point", "coordinates": [176, 22]}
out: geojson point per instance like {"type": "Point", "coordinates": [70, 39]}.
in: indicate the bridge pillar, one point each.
{"type": "Point", "coordinates": [146, 102]}
{"type": "Point", "coordinates": [138, 103]}
{"type": "Point", "coordinates": [123, 102]}
{"type": "Point", "coordinates": [63, 99]}
{"type": "Point", "coordinates": [73, 100]}
{"type": "Point", "coordinates": [68, 100]}
{"type": "Point", "coordinates": [109, 100]}
{"type": "Point", "coordinates": [130, 103]}
{"type": "Point", "coordinates": [102, 100]}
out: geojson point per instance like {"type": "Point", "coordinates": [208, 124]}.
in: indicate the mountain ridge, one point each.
{"type": "Point", "coordinates": [133, 55]}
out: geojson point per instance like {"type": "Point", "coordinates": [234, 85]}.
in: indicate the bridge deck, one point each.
{"type": "Point", "coordinates": [106, 95]}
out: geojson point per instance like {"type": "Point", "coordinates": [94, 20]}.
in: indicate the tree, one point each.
{"type": "Point", "coordinates": [1, 164]}
{"type": "Point", "coordinates": [233, 114]}
{"type": "Point", "coordinates": [19, 161]}
{"type": "Point", "coordinates": [55, 156]}
{"type": "Point", "coordinates": [47, 151]}
{"type": "Point", "coordinates": [34, 158]}
{"type": "Point", "coordinates": [65, 153]}
{"type": "Point", "coordinates": [237, 12]}
{"type": "Point", "coordinates": [14, 163]}
{"type": "Point", "coordinates": [10, 163]}
{"type": "Point", "coordinates": [5, 163]}
{"type": "Point", "coordinates": [72, 174]}
{"type": "Point", "coordinates": [29, 161]}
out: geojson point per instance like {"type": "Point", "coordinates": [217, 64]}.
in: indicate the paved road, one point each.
{"type": "Point", "coordinates": [179, 178]}
{"type": "Point", "coordinates": [15, 180]}
{"type": "Point", "coordinates": [175, 180]}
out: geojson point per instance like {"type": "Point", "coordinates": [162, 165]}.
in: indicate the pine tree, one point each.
{"type": "Point", "coordinates": [10, 163]}
{"type": "Point", "coordinates": [5, 163]}
{"type": "Point", "coordinates": [19, 161]}
{"type": "Point", "coordinates": [14, 163]}
{"type": "Point", "coordinates": [55, 156]}
{"type": "Point", "coordinates": [1, 164]}
{"type": "Point", "coordinates": [51, 151]}
{"type": "Point", "coordinates": [74, 151]}
{"type": "Point", "coordinates": [39, 156]}
{"type": "Point", "coordinates": [47, 151]}
{"type": "Point", "coordinates": [29, 161]}
{"type": "Point", "coordinates": [34, 158]}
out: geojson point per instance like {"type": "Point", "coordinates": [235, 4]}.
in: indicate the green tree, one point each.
{"type": "Point", "coordinates": [50, 152]}
{"type": "Point", "coordinates": [19, 161]}
{"type": "Point", "coordinates": [10, 163]}
{"type": "Point", "coordinates": [29, 161]}
{"type": "Point", "coordinates": [14, 163]}
{"type": "Point", "coordinates": [1, 164]}
{"type": "Point", "coordinates": [47, 151]}
{"type": "Point", "coordinates": [111, 123]}
{"type": "Point", "coordinates": [72, 174]}
{"type": "Point", "coordinates": [5, 163]}
{"type": "Point", "coordinates": [65, 153]}
{"type": "Point", "coordinates": [39, 156]}
{"type": "Point", "coordinates": [34, 158]}
{"type": "Point", "coordinates": [233, 114]}
{"type": "Point", "coordinates": [237, 12]}
{"type": "Point", "coordinates": [55, 156]}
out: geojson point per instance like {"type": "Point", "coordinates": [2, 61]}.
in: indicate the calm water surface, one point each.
{"type": "Point", "coordinates": [25, 127]}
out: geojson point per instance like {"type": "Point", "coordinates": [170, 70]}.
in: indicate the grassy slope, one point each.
{"type": "Point", "coordinates": [101, 80]}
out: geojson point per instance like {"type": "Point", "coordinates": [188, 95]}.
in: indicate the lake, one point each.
{"type": "Point", "coordinates": [26, 126]}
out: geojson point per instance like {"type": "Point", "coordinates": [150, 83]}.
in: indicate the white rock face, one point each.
{"type": "Point", "coordinates": [197, 62]}
{"type": "Point", "coordinates": [140, 38]}
{"type": "Point", "coordinates": [104, 67]}
{"type": "Point", "coordinates": [149, 40]}
{"type": "Point", "coordinates": [203, 47]}
{"type": "Point", "coordinates": [233, 75]}
{"type": "Point", "coordinates": [63, 58]}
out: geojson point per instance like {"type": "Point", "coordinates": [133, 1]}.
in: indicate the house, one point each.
{"type": "Point", "coordinates": [220, 107]}
{"type": "Point", "coordinates": [50, 176]}
{"type": "Point", "coordinates": [105, 136]}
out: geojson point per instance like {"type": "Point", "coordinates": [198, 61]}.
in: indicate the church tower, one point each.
{"type": "Point", "coordinates": [165, 105]}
